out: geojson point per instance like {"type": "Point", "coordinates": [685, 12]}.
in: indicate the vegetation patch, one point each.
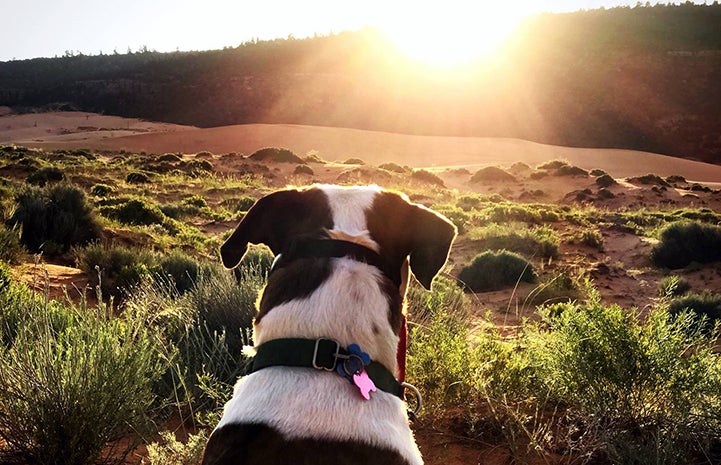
{"type": "Point", "coordinates": [278, 155]}
{"type": "Point", "coordinates": [684, 242]}
{"type": "Point", "coordinates": [426, 177]}
{"type": "Point", "coordinates": [492, 174]}
{"type": "Point", "coordinates": [495, 270]}
{"type": "Point", "coordinates": [54, 218]}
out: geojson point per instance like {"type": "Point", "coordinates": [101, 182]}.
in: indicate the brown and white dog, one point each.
{"type": "Point", "coordinates": [340, 277]}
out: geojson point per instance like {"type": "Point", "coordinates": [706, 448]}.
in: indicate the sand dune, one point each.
{"type": "Point", "coordinates": [70, 130]}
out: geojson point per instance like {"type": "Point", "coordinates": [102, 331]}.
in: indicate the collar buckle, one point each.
{"type": "Point", "coordinates": [322, 362]}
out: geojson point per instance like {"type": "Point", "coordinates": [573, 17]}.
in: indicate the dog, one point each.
{"type": "Point", "coordinates": [325, 385]}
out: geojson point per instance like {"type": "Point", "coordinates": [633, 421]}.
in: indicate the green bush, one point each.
{"type": "Point", "coordinates": [69, 389]}
{"type": "Point", "coordinates": [393, 167]}
{"type": "Point", "coordinates": [278, 155]}
{"type": "Point", "coordinates": [303, 169]}
{"type": "Point", "coordinates": [198, 167]}
{"type": "Point", "coordinates": [539, 241]}
{"type": "Point", "coordinates": [494, 270]}
{"type": "Point", "coordinates": [135, 211]}
{"type": "Point", "coordinates": [171, 157]}
{"type": "Point", "coordinates": [553, 165]}
{"type": "Point", "coordinates": [137, 177]}
{"type": "Point", "coordinates": [11, 250]}
{"type": "Point", "coordinates": [54, 218]}
{"type": "Point", "coordinates": [209, 325]}
{"type": "Point", "coordinates": [354, 161]}
{"type": "Point", "coordinates": [45, 175]}
{"type": "Point", "coordinates": [492, 174]}
{"type": "Point", "coordinates": [642, 387]}
{"type": "Point", "coordinates": [591, 238]}
{"type": "Point", "coordinates": [605, 181]}
{"type": "Point", "coordinates": [570, 170]}
{"type": "Point", "coordinates": [706, 307]}
{"type": "Point", "coordinates": [102, 190]}
{"type": "Point", "coordinates": [427, 177]}
{"type": "Point", "coordinates": [684, 242]}
{"type": "Point", "coordinates": [673, 286]}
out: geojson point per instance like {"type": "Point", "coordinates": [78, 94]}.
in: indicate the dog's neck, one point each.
{"type": "Point", "coordinates": [339, 297]}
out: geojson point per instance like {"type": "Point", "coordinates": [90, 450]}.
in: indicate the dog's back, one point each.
{"type": "Point", "coordinates": [298, 414]}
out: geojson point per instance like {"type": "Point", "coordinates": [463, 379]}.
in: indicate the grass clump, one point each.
{"type": "Point", "coordinates": [605, 181]}
{"type": "Point", "coordinates": [495, 270]}
{"type": "Point", "coordinates": [54, 218]}
{"type": "Point", "coordinates": [540, 241]}
{"type": "Point", "coordinates": [492, 174]}
{"type": "Point", "coordinates": [45, 175]}
{"type": "Point", "coordinates": [11, 250]}
{"type": "Point", "coordinates": [426, 177]}
{"type": "Point", "coordinates": [135, 211]}
{"type": "Point", "coordinates": [706, 307]}
{"type": "Point", "coordinates": [304, 169]}
{"type": "Point", "coordinates": [394, 168]}
{"type": "Point", "coordinates": [684, 242]}
{"type": "Point", "coordinates": [72, 380]}
{"type": "Point", "coordinates": [137, 177]}
{"type": "Point", "coordinates": [636, 386]}
{"type": "Point", "coordinates": [570, 170]}
{"type": "Point", "coordinates": [673, 286]}
{"type": "Point", "coordinates": [278, 155]}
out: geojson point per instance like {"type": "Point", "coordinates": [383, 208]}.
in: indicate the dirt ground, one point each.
{"type": "Point", "coordinates": [620, 270]}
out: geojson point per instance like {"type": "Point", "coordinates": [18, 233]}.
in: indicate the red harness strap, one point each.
{"type": "Point", "coordinates": [402, 349]}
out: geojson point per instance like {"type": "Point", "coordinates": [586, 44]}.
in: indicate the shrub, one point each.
{"type": "Point", "coordinates": [170, 451]}
{"type": "Point", "coordinates": [73, 380]}
{"type": "Point", "coordinates": [683, 242]}
{"type": "Point", "coordinates": [114, 267]}
{"type": "Point", "coordinates": [354, 161]}
{"type": "Point", "coordinates": [195, 201]}
{"type": "Point", "coordinates": [278, 155]}
{"type": "Point", "coordinates": [135, 211]}
{"type": "Point", "coordinates": [597, 173]}
{"type": "Point", "coordinates": [605, 181]}
{"type": "Point", "coordinates": [393, 167]}
{"type": "Point", "coordinates": [45, 175]}
{"type": "Point", "coordinates": [541, 241]}
{"type": "Point", "coordinates": [244, 204]}
{"type": "Point", "coordinates": [181, 268]}
{"type": "Point", "coordinates": [137, 177]}
{"type": "Point", "coordinates": [313, 157]}
{"type": "Point", "coordinates": [673, 286]}
{"type": "Point", "coordinates": [562, 287]}
{"type": "Point", "coordinates": [492, 174]}
{"type": "Point", "coordinates": [650, 179]}
{"type": "Point", "coordinates": [54, 218]}
{"type": "Point", "coordinates": [494, 270]}
{"type": "Point", "coordinates": [11, 250]}
{"type": "Point", "coordinates": [439, 326]}
{"type": "Point", "coordinates": [102, 190]}
{"type": "Point", "coordinates": [427, 177]}
{"type": "Point", "coordinates": [198, 167]}
{"type": "Point", "coordinates": [705, 306]}
{"type": "Point", "coordinates": [591, 238]}
{"type": "Point", "coordinates": [570, 170]}
{"type": "Point", "coordinates": [171, 157]}
{"type": "Point", "coordinates": [637, 385]}
{"type": "Point", "coordinates": [303, 169]}
{"type": "Point", "coordinates": [553, 165]}
{"type": "Point", "coordinates": [204, 154]}
{"type": "Point", "coordinates": [208, 325]}
{"type": "Point", "coordinates": [675, 179]}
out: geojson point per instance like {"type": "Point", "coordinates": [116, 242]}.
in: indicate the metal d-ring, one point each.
{"type": "Point", "coordinates": [417, 394]}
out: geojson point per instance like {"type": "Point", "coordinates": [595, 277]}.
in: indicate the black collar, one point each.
{"type": "Point", "coordinates": [321, 354]}
{"type": "Point", "coordinates": [333, 248]}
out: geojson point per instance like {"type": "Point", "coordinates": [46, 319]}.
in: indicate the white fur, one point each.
{"type": "Point", "coordinates": [350, 308]}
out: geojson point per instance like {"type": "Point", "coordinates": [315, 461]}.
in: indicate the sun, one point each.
{"type": "Point", "coordinates": [457, 33]}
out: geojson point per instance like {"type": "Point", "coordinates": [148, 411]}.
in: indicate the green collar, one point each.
{"type": "Point", "coordinates": [322, 354]}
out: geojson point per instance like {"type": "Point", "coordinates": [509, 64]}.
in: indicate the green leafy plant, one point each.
{"type": "Point", "coordinates": [494, 270]}
{"type": "Point", "coordinates": [54, 218]}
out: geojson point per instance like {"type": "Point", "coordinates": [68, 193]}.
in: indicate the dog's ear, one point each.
{"type": "Point", "coordinates": [404, 229]}
{"type": "Point", "coordinates": [276, 218]}
{"type": "Point", "coordinates": [431, 241]}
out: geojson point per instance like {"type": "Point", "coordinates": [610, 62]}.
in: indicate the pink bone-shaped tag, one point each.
{"type": "Point", "coordinates": [364, 383]}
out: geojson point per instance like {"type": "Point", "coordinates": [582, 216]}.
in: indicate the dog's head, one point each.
{"type": "Point", "coordinates": [384, 221]}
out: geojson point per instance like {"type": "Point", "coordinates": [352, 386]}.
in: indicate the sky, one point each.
{"type": "Point", "coordinates": [48, 28]}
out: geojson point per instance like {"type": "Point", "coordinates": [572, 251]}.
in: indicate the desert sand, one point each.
{"type": "Point", "coordinates": [102, 132]}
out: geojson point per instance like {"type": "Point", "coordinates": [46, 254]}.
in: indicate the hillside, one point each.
{"type": "Point", "coordinates": [640, 78]}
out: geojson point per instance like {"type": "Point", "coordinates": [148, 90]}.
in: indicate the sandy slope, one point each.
{"type": "Point", "coordinates": [75, 129]}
